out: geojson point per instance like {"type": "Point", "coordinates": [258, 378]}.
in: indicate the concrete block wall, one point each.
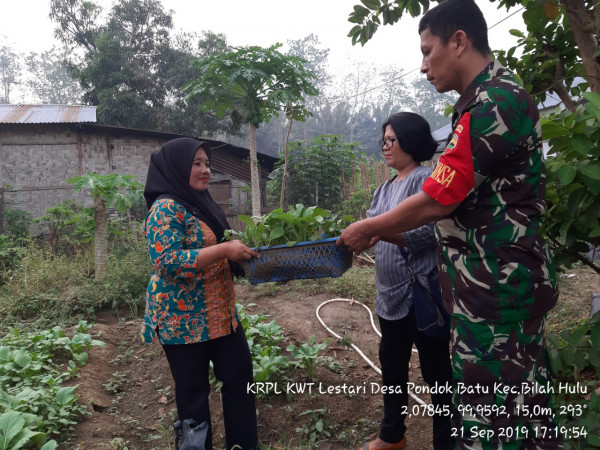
{"type": "Point", "coordinates": [37, 160]}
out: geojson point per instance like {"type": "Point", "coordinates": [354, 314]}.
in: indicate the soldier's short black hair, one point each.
{"type": "Point", "coordinates": [413, 134]}
{"type": "Point", "coordinates": [452, 15]}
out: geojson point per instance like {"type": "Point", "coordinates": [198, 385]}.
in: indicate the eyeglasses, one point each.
{"type": "Point", "coordinates": [386, 142]}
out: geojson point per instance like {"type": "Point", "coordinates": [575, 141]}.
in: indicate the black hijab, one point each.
{"type": "Point", "coordinates": [169, 175]}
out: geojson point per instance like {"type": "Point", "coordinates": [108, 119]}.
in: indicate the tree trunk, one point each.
{"type": "Point", "coordinates": [254, 173]}
{"type": "Point", "coordinates": [285, 161]}
{"type": "Point", "coordinates": [564, 96]}
{"type": "Point", "coordinates": [558, 84]}
{"type": "Point", "coordinates": [584, 31]}
{"type": "Point", "coordinates": [101, 239]}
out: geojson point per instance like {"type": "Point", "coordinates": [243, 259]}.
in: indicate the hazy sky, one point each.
{"type": "Point", "coordinates": [26, 25]}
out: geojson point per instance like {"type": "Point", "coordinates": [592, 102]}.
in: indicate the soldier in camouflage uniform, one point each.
{"type": "Point", "coordinates": [487, 195]}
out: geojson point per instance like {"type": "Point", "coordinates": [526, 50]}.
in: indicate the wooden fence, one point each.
{"type": "Point", "coordinates": [365, 176]}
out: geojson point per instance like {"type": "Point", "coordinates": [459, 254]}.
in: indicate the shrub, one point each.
{"type": "Point", "coordinates": [48, 288]}
{"type": "Point", "coordinates": [357, 205]}
{"type": "Point", "coordinates": [16, 222]}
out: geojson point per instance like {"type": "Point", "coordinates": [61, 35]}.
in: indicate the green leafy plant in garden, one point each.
{"type": "Point", "coordinates": [16, 433]}
{"type": "Point", "coordinates": [268, 365]}
{"type": "Point", "coordinates": [571, 351]}
{"type": "Point", "coordinates": [317, 428]}
{"type": "Point", "coordinates": [33, 369]}
{"type": "Point", "coordinates": [268, 362]}
{"type": "Point", "coordinates": [299, 224]}
{"type": "Point", "coordinates": [307, 355]}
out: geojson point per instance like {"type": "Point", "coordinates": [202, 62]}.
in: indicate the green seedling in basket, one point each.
{"type": "Point", "coordinates": [299, 224]}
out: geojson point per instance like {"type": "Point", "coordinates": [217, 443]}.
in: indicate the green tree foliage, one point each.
{"type": "Point", "coordinates": [182, 114]}
{"type": "Point", "coordinates": [118, 67]}
{"type": "Point", "coordinates": [252, 85]}
{"type": "Point", "coordinates": [309, 49]}
{"type": "Point", "coordinates": [270, 137]}
{"type": "Point", "coordinates": [559, 55]}
{"type": "Point", "coordinates": [10, 71]}
{"type": "Point", "coordinates": [573, 190]}
{"type": "Point", "coordinates": [369, 16]}
{"type": "Point", "coordinates": [550, 61]}
{"type": "Point", "coordinates": [77, 22]}
{"type": "Point", "coordinates": [355, 104]}
{"type": "Point", "coordinates": [315, 171]}
{"type": "Point", "coordinates": [50, 80]}
{"type": "Point", "coordinates": [132, 67]}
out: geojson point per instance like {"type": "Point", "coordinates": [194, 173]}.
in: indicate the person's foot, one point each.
{"type": "Point", "coordinates": [378, 444]}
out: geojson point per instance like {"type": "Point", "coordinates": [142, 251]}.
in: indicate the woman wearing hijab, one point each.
{"type": "Point", "coordinates": [190, 304]}
{"type": "Point", "coordinates": [406, 142]}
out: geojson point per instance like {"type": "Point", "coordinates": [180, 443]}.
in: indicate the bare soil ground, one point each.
{"type": "Point", "coordinates": [130, 396]}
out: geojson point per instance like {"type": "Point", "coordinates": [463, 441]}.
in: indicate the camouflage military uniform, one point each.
{"type": "Point", "coordinates": [497, 275]}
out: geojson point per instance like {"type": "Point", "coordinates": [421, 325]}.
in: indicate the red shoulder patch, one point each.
{"type": "Point", "coordinates": [453, 177]}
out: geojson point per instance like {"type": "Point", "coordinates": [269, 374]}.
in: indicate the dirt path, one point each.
{"type": "Point", "coordinates": [128, 386]}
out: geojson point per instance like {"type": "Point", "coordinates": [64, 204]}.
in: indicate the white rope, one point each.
{"type": "Point", "coordinates": [351, 302]}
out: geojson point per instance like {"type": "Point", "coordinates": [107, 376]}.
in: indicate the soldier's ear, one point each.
{"type": "Point", "coordinates": [459, 42]}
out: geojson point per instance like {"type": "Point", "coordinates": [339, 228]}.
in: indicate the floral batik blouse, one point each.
{"type": "Point", "coordinates": [183, 306]}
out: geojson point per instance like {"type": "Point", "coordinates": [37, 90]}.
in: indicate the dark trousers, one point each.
{"type": "Point", "coordinates": [395, 347]}
{"type": "Point", "coordinates": [232, 364]}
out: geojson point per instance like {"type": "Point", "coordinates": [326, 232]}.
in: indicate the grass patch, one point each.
{"type": "Point", "coordinates": [576, 288]}
{"type": "Point", "coordinates": [45, 289]}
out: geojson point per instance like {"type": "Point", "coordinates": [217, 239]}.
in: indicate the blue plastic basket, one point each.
{"type": "Point", "coordinates": [313, 259]}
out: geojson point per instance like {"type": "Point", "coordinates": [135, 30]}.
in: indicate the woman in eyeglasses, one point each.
{"type": "Point", "coordinates": [406, 143]}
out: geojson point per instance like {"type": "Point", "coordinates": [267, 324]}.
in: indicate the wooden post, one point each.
{"type": "Point", "coordinates": [344, 188]}
{"type": "Point", "coordinates": [364, 176]}
{"type": "Point", "coordinates": [386, 171]}
{"type": "Point", "coordinates": [378, 171]}
{"type": "Point", "coordinates": [1, 210]}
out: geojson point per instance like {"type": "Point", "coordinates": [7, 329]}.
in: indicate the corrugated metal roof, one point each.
{"type": "Point", "coordinates": [47, 114]}
{"type": "Point", "coordinates": [266, 161]}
